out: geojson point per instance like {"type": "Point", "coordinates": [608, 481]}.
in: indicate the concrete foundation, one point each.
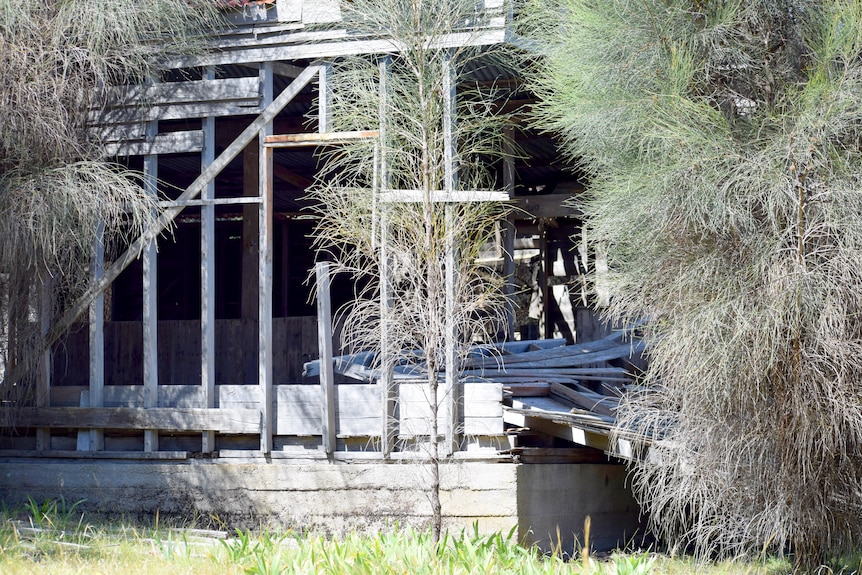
{"type": "Point", "coordinates": [548, 503]}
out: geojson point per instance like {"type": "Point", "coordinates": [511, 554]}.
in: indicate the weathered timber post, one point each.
{"type": "Point", "coordinates": [324, 344]}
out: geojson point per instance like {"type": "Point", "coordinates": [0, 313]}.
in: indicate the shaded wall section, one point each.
{"type": "Point", "coordinates": [555, 499]}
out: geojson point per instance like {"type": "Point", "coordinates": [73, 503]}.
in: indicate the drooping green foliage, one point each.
{"type": "Point", "coordinates": [57, 60]}
{"type": "Point", "coordinates": [722, 142]}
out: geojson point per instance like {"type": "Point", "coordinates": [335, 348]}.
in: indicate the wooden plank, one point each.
{"type": "Point", "coordinates": [537, 389]}
{"type": "Point", "coordinates": [108, 133]}
{"type": "Point", "coordinates": [299, 408]}
{"type": "Point", "coordinates": [545, 455]}
{"type": "Point", "coordinates": [210, 202]}
{"type": "Point", "coordinates": [165, 143]}
{"type": "Point", "coordinates": [612, 342]}
{"type": "Point", "coordinates": [603, 405]}
{"type": "Point", "coordinates": [358, 410]}
{"type": "Point", "coordinates": [482, 411]}
{"type": "Point", "coordinates": [509, 233]}
{"type": "Point", "coordinates": [324, 97]}
{"type": "Point", "coordinates": [299, 411]}
{"type": "Point", "coordinates": [125, 455]}
{"type": "Point", "coordinates": [264, 270]}
{"type": "Point", "coordinates": [317, 139]}
{"type": "Point", "coordinates": [567, 432]}
{"type": "Point", "coordinates": [331, 48]}
{"type": "Point", "coordinates": [324, 339]}
{"type": "Point", "coordinates": [442, 196]}
{"type": "Point", "coordinates": [43, 377]}
{"type": "Point", "coordinates": [482, 399]}
{"type": "Point", "coordinates": [158, 418]}
{"type": "Point", "coordinates": [131, 396]}
{"type": "Point", "coordinates": [612, 373]}
{"type": "Point", "coordinates": [388, 390]}
{"type": "Point", "coordinates": [95, 396]}
{"type": "Point", "coordinates": [166, 93]}
{"type": "Point", "coordinates": [208, 272]}
{"type": "Point", "coordinates": [176, 112]}
{"type": "Point", "coordinates": [150, 300]}
{"type": "Point", "coordinates": [451, 401]}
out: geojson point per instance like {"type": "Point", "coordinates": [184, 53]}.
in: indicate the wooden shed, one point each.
{"type": "Point", "coordinates": [185, 385]}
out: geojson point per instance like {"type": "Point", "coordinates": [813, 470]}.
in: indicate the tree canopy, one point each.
{"type": "Point", "coordinates": [722, 144]}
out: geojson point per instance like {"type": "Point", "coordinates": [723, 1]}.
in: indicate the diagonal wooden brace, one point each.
{"type": "Point", "coordinates": [168, 215]}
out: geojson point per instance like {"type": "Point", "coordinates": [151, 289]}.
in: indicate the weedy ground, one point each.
{"type": "Point", "coordinates": [54, 537]}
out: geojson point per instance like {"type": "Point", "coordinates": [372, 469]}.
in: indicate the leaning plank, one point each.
{"type": "Point", "coordinates": [610, 372]}
{"type": "Point", "coordinates": [160, 418]}
{"type": "Point", "coordinates": [604, 405]}
{"type": "Point", "coordinates": [537, 389]}
{"type": "Point", "coordinates": [573, 359]}
{"type": "Point", "coordinates": [610, 342]}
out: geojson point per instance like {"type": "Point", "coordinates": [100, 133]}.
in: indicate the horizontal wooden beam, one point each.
{"type": "Point", "coordinates": [69, 454]}
{"type": "Point", "coordinates": [166, 143]}
{"type": "Point", "coordinates": [439, 196]}
{"type": "Point", "coordinates": [210, 202]}
{"type": "Point", "coordinates": [330, 48]}
{"type": "Point", "coordinates": [191, 110]}
{"type": "Point", "coordinates": [157, 418]}
{"type": "Point", "coordinates": [563, 431]}
{"type": "Point", "coordinates": [317, 139]}
{"type": "Point", "coordinates": [166, 93]}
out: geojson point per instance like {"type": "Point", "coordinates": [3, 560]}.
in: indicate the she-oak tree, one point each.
{"type": "Point", "coordinates": [723, 143]}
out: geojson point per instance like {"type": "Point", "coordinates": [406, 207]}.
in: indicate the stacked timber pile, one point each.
{"type": "Point", "coordinates": [582, 381]}
{"type": "Point", "coordinates": [576, 384]}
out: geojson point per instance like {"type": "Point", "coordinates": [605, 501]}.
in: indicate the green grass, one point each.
{"type": "Point", "coordinates": [53, 537]}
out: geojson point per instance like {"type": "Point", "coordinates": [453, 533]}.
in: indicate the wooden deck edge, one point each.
{"type": "Point", "coordinates": [69, 454]}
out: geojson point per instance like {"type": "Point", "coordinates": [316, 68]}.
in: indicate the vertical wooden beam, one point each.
{"type": "Point", "coordinates": [208, 277]}
{"type": "Point", "coordinates": [97, 338]}
{"type": "Point", "coordinates": [387, 360]}
{"type": "Point", "coordinates": [249, 261]}
{"type": "Point", "coordinates": [547, 328]}
{"type": "Point", "coordinates": [509, 232]}
{"type": "Point", "coordinates": [324, 122]}
{"type": "Point", "coordinates": [150, 296]}
{"type": "Point", "coordinates": [264, 296]}
{"type": "Point", "coordinates": [450, 177]}
{"type": "Point", "coordinates": [284, 300]}
{"type": "Point", "coordinates": [324, 346]}
{"type": "Point", "coordinates": [43, 383]}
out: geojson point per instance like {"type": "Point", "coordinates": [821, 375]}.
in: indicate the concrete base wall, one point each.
{"type": "Point", "coordinates": [554, 501]}
{"type": "Point", "coordinates": [335, 498]}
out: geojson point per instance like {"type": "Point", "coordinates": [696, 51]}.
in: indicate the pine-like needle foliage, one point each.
{"type": "Point", "coordinates": [56, 192]}
{"type": "Point", "coordinates": [406, 246]}
{"type": "Point", "coordinates": [722, 139]}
